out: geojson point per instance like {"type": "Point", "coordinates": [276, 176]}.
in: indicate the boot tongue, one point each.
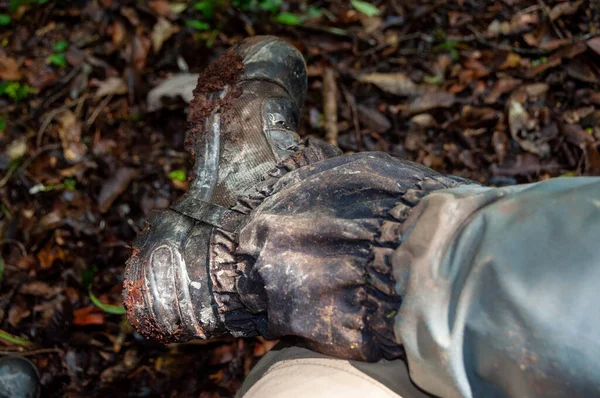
{"type": "Point", "coordinates": [259, 129]}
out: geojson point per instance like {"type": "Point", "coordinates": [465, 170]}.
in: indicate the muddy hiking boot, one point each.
{"type": "Point", "coordinates": [243, 121]}
{"type": "Point", "coordinates": [19, 378]}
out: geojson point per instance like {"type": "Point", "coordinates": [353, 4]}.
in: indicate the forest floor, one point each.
{"type": "Point", "coordinates": [93, 101]}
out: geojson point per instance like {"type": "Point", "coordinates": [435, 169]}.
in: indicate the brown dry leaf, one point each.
{"type": "Point", "coordinates": [536, 70]}
{"type": "Point", "coordinates": [430, 100]}
{"type": "Point", "coordinates": [424, 120]}
{"type": "Point", "coordinates": [88, 316]}
{"type": "Point", "coordinates": [523, 22]}
{"type": "Point", "coordinates": [456, 18]}
{"type": "Point", "coordinates": [49, 254]}
{"type": "Point", "coordinates": [40, 289]}
{"type": "Point", "coordinates": [114, 187]}
{"type": "Point", "coordinates": [580, 69]}
{"type": "Point", "coordinates": [179, 85]}
{"type": "Point", "coordinates": [70, 137]}
{"type": "Point", "coordinates": [140, 45]}
{"type": "Point", "coordinates": [567, 8]}
{"type": "Point", "coordinates": [594, 44]}
{"type": "Point", "coordinates": [536, 90]}
{"type": "Point", "coordinates": [502, 86]}
{"type": "Point", "coordinates": [373, 119]}
{"type": "Point", "coordinates": [112, 86]}
{"type": "Point", "coordinates": [16, 314]}
{"type": "Point", "coordinates": [161, 32]}
{"type": "Point", "coordinates": [118, 34]}
{"type": "Point", "coordinates": [573, 116]}
{"type": "Point", "coordinates": [161, 7]}
{"type": "Point", "coordinates": [592, 160]}
{"type": "Point", "coordinates": [500, 144]}
{"type": "Point", "coordinates": [512, 61]}
{"type": "Point", "coordinates": [131, 15]}
{"type": "Point", "coordinates": [9, 68]}
{"type": "Point", "coordinates": [397, 83]}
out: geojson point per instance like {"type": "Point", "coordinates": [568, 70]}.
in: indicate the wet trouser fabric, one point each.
{"type": "Point", "coordinates": [500, 295]}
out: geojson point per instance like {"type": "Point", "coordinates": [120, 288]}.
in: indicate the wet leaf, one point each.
{"type": "Point", "coordinates": [70, 136]}
{"type": "Point", "coordinates": [88, 316]}
{"type": "Point", "coordinates": [502, 86]}
{"type": "Point", "coordinates": [197, 24]}
{"type": "Point", "coordinates": [430, 100]}
{"type": "Point", "coordinates": [16, 340]}
{"type": "Point", "coordinates": [61, 46]}
{"type": "Point", "coordinates": [9, 68]}
{"type": "Point", "coordinates": [365, 7]}
{"type": "Point", "coordinates": [114, 187]}
{"type": "Point", "coordinates": [287, 18]}
{"type": "Point", "coordinates": [178, 175]}
{"type": "Point", "coordinates": [566, 8]}
{"type": "Point", "coordinates": [394, 83]}
{"type": "Point", "coordinates": [108, 308]}
{"type": "Point", "coordinates": [594, 44]}
{"type": "Point", "coordinates": [58, 59]}
{"type": "Point", "coordinates": [179, 85]}
{"type": "Point", "coordinates": [161, 32]}
{"type": "Point", "coordinates": [112, 86]}
{"type": "Point", "coordinates": [4, 19]}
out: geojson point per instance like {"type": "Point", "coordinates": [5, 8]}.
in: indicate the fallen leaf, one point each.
{"type": "Point", "coordinates": [9, 68]}
{"type": "Point", "coordinates": [17, 148]}
{"type": "Point", "coordinates": [140, 45]}
{"type": "Point", "coordinates": [512, 61]}
{"type": "Point", "coordinates": [500, 145]}
{"type": "Point", "coordinates": [49, 254]}
{"type": "Point", "coordinates": [161, 32]}
{"type": "Point", "coordinates": [394, 83]}
{"type": "Point", "coordinates": [70, 136]}
{"type": "Point", "coordinates": [40, 289]}
{"type": "Point", "coordinates": [581, 70]}
{"type": "Point", "coordinates": [536, 90]}
{"type": "Point", "coordinates": [594, 44]}
{"type": "Point", "coordinates": [567, 8]}
{"type": "Point", "coordinates": [373, 119]}
{"type": "Point", "coordinates": [520, 123]}
{"type": "Point", "coordinates": [114, 187]}
{"type": "Point", "coordinates": [112, 86]}
{"type": "Point", "coordinates": [118, 34]}
{"type": "Point", "coordinates": [424, 120]}
{"type": "Point", "coordinates": [161, 7]}
{"type": "Point", "coordinates": [573, 116]}
{"type": "Point", "coordinates": [88, 316]}
{"type": "Point", "coordinates": [542, 67]}
{"type": "Point", "coordinates": [179, 85]}
{"type": "Point", "coordinates": [430, 100]}
{"type": "Point", "coordinates": [502, 86]}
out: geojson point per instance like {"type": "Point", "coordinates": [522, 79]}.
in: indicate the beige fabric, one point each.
{"type": "Point", "coordinates": [316, 378]}
{"type": "Point", "coordinates": [298, 372]}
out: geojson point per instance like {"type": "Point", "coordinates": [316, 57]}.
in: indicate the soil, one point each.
{"type": "Point", "coordinates": [222, 73]}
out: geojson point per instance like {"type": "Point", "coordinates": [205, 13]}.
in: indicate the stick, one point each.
{"type": "Point", "coordinates": [330, 106]}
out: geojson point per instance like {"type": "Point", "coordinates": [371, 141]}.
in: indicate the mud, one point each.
{"type": "Point", "coordinates": [225, 71]}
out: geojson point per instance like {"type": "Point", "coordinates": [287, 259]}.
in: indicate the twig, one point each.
{"type": "Point", "coordinates": [527, 51]}
{"type": "Point", "coordinates": [15, 242]}
{"type": "Point", "coordinates": [330, 106]}
{"type": "Point", "coordinates": [34, 352]}
{"type": "Point", "coordinates": [97, 111]}
{"type": "Point", "coordinates": [26, 164]}
{"type": "Point", "coordinates": [352, 103]}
